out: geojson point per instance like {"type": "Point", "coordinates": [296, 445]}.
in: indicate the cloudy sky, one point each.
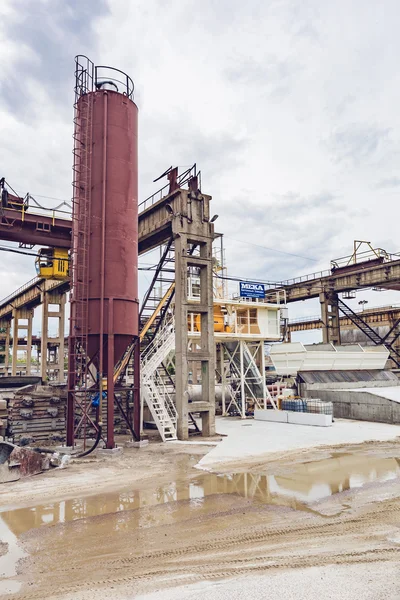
{"type": "Point", "coordinates": [289, 107]}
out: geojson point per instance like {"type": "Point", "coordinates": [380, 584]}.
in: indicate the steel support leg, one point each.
{"type": "Point", "coordinates": [110, 386]}
{"type": "Point", "coordinates": [264, 383]}
{"type": "Point", "coordinates": [242, 380]}
{"type": "Point", "coordinates": [71, 396]}
{"type": "Point", "coordinates": [137, 408]}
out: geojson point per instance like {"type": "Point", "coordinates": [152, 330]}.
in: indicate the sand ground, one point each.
{"type": "Point", "coordinates": [148, 524]}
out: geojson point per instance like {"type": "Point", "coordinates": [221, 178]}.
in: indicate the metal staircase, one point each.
{"type": "Point", "coordinates": [158, 298]}
{"type": "Point", "coordinates": [387, 341]}
{"type": "Point", "coordinates": [155, 389]}
{"type": "Point", "coordinates": [154, 319]}
{"type": "Point", "coordinates": [392, 335]}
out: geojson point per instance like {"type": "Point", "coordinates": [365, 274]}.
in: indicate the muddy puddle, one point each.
{"type": "Point", "coordinates": [193, 494]}
{"type": "Point", "coordinates": [304, 484]}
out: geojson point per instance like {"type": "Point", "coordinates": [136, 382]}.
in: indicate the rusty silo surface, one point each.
{"type": "Point", "coordinates": [113, 247]}
{"type": "Point", "coordinates": [104, 292]}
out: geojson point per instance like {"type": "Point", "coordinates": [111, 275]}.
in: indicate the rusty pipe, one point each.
{"type": "Point", "coordinates": [103, 254]}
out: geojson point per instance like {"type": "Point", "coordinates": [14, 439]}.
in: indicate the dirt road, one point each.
{"type": "Point", "coordinates": [170, 524]}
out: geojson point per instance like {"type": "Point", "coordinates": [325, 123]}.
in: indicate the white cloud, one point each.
{"type": "Point", "coordinates": [289, 107]}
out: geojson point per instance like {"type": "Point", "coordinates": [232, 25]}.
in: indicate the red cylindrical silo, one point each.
{"type": "Point", "coordinates": [113, 247]}
{"type": "Point", "coordinates": [104, 288]}
{"type": "Point", "coordinates": [105, 220]}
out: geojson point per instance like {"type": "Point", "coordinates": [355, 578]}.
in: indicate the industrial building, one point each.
{"type": "Point", "coordinates": [189, 348]}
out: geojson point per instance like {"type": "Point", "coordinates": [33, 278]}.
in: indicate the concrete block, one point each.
{"type": "Point", "coordinates": [318, 420]}
{"type": "Point", "coordinates": [140, 444]}
{"type": "Point", "coordinates": [276, 416]}
{"type": "Point", "coordinates": [133, 444]}
{"type": "Point", "coordinates": [110, 452]}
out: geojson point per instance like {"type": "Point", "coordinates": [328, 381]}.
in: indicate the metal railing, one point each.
{"type": "Point", "coordinates": [35, 282]}
{"type": "Point", "coordinates": [182, 179]}
{"type": "Point", "coordinates": [90, 77]}
{"type": "Point", "coordinates": [365, 312]}
{"type": "Point", "coordinates": [362, 256]}
{"type": "Point", "coordinates": [301, 279]}
{"type": "Point", "coordinates": [21, 289]}
{"type": "Point", "coordinates": [321, 274]}
{"type": "Point", "coordinates": [54, 213]}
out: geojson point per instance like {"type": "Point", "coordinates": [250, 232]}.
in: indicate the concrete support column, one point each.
{"type": "Point", "coordinates": [52, 348]}
{"type": "Point", "coordinates": [5, 325]}
{"type": "Point", "coordinates": [330, 318]}
{"type": "Point", "coordinates": [207, 336]}
{"type": "Point", "coordinates": [22, 314]}
{"type": "Point", "coordinates": [191, 227]}
{"type": "Point", "coordinates": [181, 337]}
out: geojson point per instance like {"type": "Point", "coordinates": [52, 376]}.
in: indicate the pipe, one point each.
{"type": "Point", "coordinates": [96, 443]}
{"type": "Point", "coordinates": [102, 264]}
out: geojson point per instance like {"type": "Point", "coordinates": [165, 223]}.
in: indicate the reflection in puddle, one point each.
{"type": "Point", "coordinates": [316, 480]}
{"type": "Point", "coordinates": [8, 562]}
{"type": "Point", "coordinates": [184, 499]}
{"type": "Point", "coordinates": [307, 482]}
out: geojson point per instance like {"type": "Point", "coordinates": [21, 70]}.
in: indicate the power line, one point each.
{"type": "Point", "coordinates": [245, 279]}
{"type": "Point", "coordinates": [47, 197]}
{"type": "Point", "coordinates": [17, 251]}
{"type": "Point", "coordinates": [271, 249]}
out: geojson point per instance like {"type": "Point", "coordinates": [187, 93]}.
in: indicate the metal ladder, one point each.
{"type": "Point", "coordinates": [154, 389]}
{"type": "Point", "coordinates": [82, 160]}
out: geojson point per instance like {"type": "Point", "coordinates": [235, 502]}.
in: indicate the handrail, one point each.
{"type": "Point", "coordinates": [319, 275]}
{"type": "Point", "coordinates": [182, 179]}
{"type": "Point", "coordinates": [19, 290]}
{"type": "Point", "coordinates": [33, 282]}
{"type": "Point", "coordinates": [54, 213]}
{"type": "Point", "coordinates": [366, 312]}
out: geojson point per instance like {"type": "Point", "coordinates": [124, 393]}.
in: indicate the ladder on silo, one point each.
{"type": "Point", "coordinates": [82, 161]}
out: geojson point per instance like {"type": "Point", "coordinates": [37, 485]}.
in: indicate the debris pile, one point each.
{"type": "Point", "coordinates": [17, 461]}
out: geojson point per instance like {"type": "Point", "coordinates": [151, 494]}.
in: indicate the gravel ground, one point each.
{"type": "Point", "coordinates": [380, 581]}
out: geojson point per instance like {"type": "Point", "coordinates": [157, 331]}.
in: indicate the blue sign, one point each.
{"type": "Point", "coordinates": [252, 290]}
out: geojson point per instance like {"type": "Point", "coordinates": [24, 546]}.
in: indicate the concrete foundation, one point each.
{"type": "Point", "coordinates": [110, 452]}
{"type": "Point", "coordinates": [316, 420]}
{"type": "Point", "coordinates": [140, 444]}
{"type": "Point", "coordinates": [275, 416]}
{"type": "Point", "coordinates": [295, 418]}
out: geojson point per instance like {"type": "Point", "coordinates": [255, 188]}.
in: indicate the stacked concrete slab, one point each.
{"type": "Point", "coordinates": [36, 413]}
